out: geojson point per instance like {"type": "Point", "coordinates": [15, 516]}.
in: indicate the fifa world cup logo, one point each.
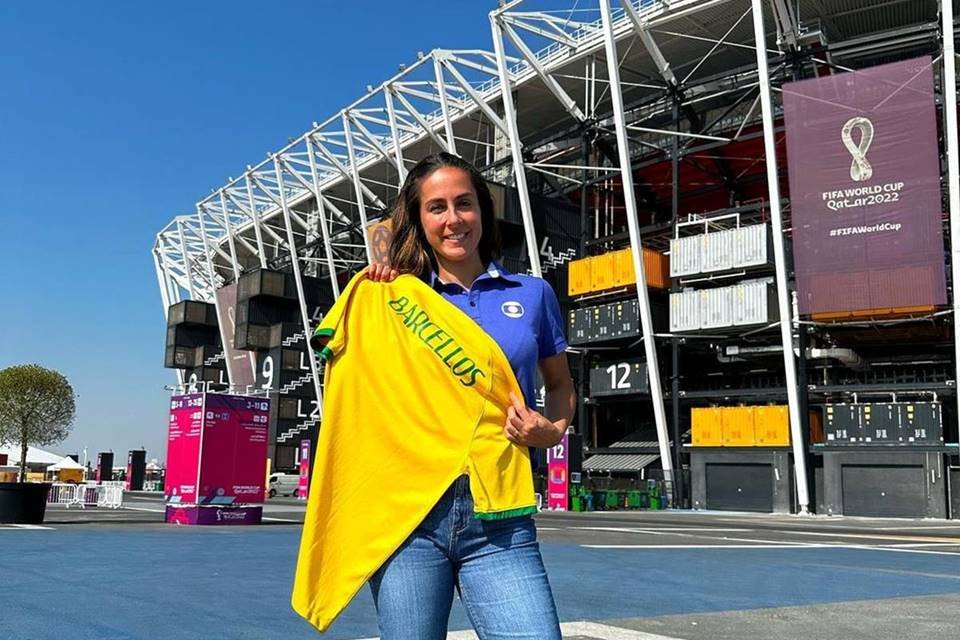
{"type": "Point", "coordinates": [860, 168]}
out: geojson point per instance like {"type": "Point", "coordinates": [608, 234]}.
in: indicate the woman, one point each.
{"type": "Point", "coordinates": [444, 231]}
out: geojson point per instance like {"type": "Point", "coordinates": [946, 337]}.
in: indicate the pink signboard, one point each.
{"type": "Point", "coordinates": [233, 459]}
{"type": "Point", "coordinates": [558, 484]}
{"type": "Point", "coordinates": [304, 484]}
{"type": "Point", "coordinates": [183, 448]}
{"type": "Point", "coordinates": [865, 199]}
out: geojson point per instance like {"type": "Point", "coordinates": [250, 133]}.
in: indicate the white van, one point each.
{"type": "Point", "coordinates": [283, 484]}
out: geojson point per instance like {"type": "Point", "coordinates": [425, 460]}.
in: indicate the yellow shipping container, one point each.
{"type": "Point", "coordinates": [623, 273]}
{"type": "Point", "coordinates": [601, 272]}
{"type": "Point", "coordinates": [578, 280]}
{"type": "Point", "coordinates": [705, 424]}
{"type": "Point", "coordinates": [772, 426]}
{"type": "Point", "coordinates": [738, 426]}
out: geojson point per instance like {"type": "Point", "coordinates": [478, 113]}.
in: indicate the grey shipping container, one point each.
{"type": "Point", "coordinates": [750, 246]}
{"type": "Point", "coordinates": [716, 308]}
{"type": "Point", "coordinates": [685, 255]}
{"type": "Point", "coordinates": [684, 311]}
{"type": "Point", "coordinates": [717, 251]}
{"type": "Point", "coordinates": [754, 303]}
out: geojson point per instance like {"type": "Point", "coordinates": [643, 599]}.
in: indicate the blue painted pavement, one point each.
{"type": "Point", "coordinates": [182, 583]}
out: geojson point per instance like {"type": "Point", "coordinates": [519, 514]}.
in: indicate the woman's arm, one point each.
{"type": "Point", "coordinates": [527, 427]}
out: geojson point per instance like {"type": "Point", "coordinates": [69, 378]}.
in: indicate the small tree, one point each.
{"type": "Point", "coordinates": [37, 407]}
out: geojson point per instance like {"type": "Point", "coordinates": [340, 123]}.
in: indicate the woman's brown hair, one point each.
{"type": "Point", "coordinates": [409, 250]}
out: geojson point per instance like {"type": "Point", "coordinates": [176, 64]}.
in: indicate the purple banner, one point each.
{"type": "Point", "coordinates": [239, 363]}
{"type": "Point", "coordinates": [194, 514]}
{"type": "Point", "coordinates": [865, 189]}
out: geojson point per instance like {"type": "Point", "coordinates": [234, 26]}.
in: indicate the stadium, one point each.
{"type": "Point", "coordinates": [768, 361]}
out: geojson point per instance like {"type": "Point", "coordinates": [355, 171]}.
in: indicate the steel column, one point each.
{"type": "Point", "coordinates": [780, 262]}
{"type": "Point", "coordinates": [324, 230]}
{"type": "Point", "coordinates": [357, 187]}
{"type": "Point", "coordinates": [516, 150]}
{"type": "Point", "coordinates": [298, 280]}
{"type": "Point", "coordinates": [953, 163]}
{"type": "Point", "coordinates": [636, 244]}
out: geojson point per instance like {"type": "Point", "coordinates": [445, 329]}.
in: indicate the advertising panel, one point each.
{"type": "Point", "coordinates": [864, 174]}
{"type": "Point", "coordinates": [304, 484]}
{"type": "Point", "coordinates": [558, 467]}
{"type": "Point", "coordinates": [234, 449]}
{"type": "Point", "coordinates": [183, 448]}
{"type": "Point", "coordinates": [239, 363]}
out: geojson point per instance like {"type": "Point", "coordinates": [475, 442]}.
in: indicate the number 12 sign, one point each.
{"type": "Point", "coordinates": [558, 466]}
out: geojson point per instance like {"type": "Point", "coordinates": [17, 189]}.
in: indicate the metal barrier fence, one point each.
{"type": "Point", "coordinates": [108, 496]}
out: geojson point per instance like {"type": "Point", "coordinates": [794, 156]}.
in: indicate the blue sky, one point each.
{"type": "Point", "coordinates": [117, 116]}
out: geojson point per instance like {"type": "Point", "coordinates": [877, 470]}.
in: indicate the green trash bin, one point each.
{"type": "Point", "coordinates": [655, 502]}
{"type": "Point", "coordinates": [613, 500]}
{"type": "Point", "coordinates": [633, 499]}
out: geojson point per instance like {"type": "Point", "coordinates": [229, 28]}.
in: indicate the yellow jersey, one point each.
{"type": "Point", "coordinates": [416, 394]}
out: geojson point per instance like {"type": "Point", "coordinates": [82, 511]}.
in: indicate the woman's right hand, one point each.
{"type": "Point", "coordinates": [379, 272]}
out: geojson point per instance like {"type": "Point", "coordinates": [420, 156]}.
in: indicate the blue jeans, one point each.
{"type": "Point", "coordinates": [495, 565]}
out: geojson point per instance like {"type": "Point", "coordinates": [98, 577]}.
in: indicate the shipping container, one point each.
{"type": "Point", "coordinates": [189, 335]}
{"type": "Point", "coordinates": [738, 426]}
{"type": "Point", "coordinates": [684, 311]}
{"type": "Point", "coordinates": [685, 256]}
{"type": "Point", "coordinates": [750, 246]}
{"type": "Point", "coordinates": [578, 328]}
{"type": "Point", "coordinates": [209, 356]}
{"type": "Point", "coordinates": [881, 423]}
{"type": "Point", "coordinates": [772, 426]}
{"type": "Point", "coordinates": [706, 426]}
{"type": "Point", "coordinates": [579, 281]}
{"type": "Point", "coordinates": [716, 308]}
{"type": "Point", "coordinates": [192, 312]}
{"type": "Point", "coordinates": [601, 272]}
{"type": "Point", "coordinates": [842, 423]}
{"type": "Point", "coordinates": [251, 337]}
{"type": "Point", "coordinates": [262, 282]}
{"type": "Point", "coordinates": [624, 318]}
{"type": "Point", "coordinates": [717, 251]}
{"type": "Point", "coordinates": [816, 426]}
{"type": "Point", "coordinates": [657, 268]}
{"type": "Point", "coordinates": [624, 274]}
{"type": "Point", "coordinates": [179, 357]}
{"type": "Point", "coordinates": [754, 302]}
{"type": "Point", "coordinates": [922, 423]}
{"type": "Point", "coordinates": [601, 322]}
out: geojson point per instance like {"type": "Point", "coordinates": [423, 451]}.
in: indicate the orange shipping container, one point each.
{"type": "Point", "coordinates": [655, 264]}
{"type": "Point", "coordinates": [578, 281]}
{"type": "Point", "coordinates": [601, 272]}
{"type": "Point", "coordinates": [657, 268]}
{"type": "Point", "coordinates": [738, 426]}
{"type": "Point", "coordinates": [772, 426]}
{"type": "Point", "coordinates": [706, 428]}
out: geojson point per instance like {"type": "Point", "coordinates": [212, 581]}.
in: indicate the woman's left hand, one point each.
{"type": "Point", "coordinates": [528, 428]}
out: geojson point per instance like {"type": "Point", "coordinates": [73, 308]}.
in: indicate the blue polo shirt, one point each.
{"type": "Point", "coordinates": [519, 312]}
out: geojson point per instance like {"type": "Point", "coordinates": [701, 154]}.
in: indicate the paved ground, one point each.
{"type": "Point", "coordinates": [616, 575]}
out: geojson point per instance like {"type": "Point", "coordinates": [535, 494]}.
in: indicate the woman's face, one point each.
{"type": "Point", "coordinates": [450, 214]}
